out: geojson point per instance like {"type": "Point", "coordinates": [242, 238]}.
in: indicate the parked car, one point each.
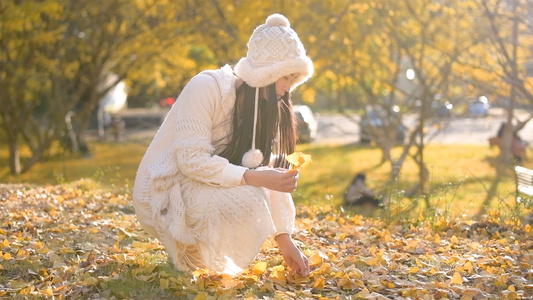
{"type": "Point", "coordinates": [442, 109]}
{"type": "Point", "coordinates": [478, 109]}
{"type": "Point", "coordinates": [376, 122]}
{"type": "Point", "coordinates": [307, 124]}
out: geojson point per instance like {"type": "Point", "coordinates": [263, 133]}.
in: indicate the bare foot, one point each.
{"type": "Point", "coordinates": [293, 257]}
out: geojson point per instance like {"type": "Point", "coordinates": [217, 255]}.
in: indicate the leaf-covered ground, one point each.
{"type": "Point", "coordinates": [73, 242]}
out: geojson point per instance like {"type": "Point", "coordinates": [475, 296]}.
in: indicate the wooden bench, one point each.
{"type": "Point", "coordinates": [524, 183]}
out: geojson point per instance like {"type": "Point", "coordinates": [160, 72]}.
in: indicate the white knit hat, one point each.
{"type": "Point", "coordinates": [274, 51]}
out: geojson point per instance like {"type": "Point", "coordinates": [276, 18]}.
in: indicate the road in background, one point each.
{"type": "Point", "coordinates": [340, 129]}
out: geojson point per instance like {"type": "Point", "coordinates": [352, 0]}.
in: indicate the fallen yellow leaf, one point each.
{"type": "Point", "coordinates": [260, 267]}
{"type": "Point", "coordinates": [278, 274]}
{"type": "Point", "coordinates": [456, 279]}
{"type": "Point", "coordinates": [319, 283]}
{"type": "Point", "coordinates": [164, 283]}
{"type": "Point", "coordinates": [364, 293]}
{"type": "Point", "coordinates": [144, 246]}
{"type": "Point", "coordinates": [468, 267]}
{"type": "Point", "coordinates": [48, 291]}
{"type": "Point", "coordinates": [229, 282]}
{"type": "Point", "coordinates": [315, 260]}
{"type": "Point", "coordinates": [356, 274]}
{"type": "Point", "coordinates": [4, 244]}
{"type": "Point", "coordinates": [26, 290]}
{"type": "Point", "coordinates": [21, 253]}
{"type": "Point", "coordinates": [90, 281]}
{"type": "Point", "coordinates": [201, 296]}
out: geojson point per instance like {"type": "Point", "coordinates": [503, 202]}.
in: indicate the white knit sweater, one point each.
{"type": "Point", "coordinates": [191, 199]}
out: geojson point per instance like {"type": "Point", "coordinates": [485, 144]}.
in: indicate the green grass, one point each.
{"type": "Point", "coordinates": [459, 181]}
{"type": "Point", "coordinates": [112, 165]}
{"type": "Point", "coordinates": [460, 178]}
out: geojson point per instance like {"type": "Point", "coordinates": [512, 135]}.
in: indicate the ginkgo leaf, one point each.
{"type": "Point", "coordinates": [325, 268]}
{"type": "Point", "coordinates": [90, 281]}
{"type": "Point", "coordinates": [26, 290]}
{"type": "Point", "coordinates": [528, 229]}
{"type": "Point", "coordinates": [364, 293]}
{"type": "Point", "coordinates": [319, 283]}
{"type": "Point", "coordinates": [228, 281]}
{"type": "Point", "coordinates": [278, 274]}
{"type": "Point", "coordinates": [315, 260]}
{"type": "Point", "coordinates": [47, 291]}
{"type": "Point", "coordinates": [299, 160]}
{"type": "Point", "coordinates": [4, 244]}
{"type": "Point", "coordinates": [347, 284]}
{"type": "Point", "coordinates": [260, 267]}
{"type": "Point", "coordinates": [201, 296]}
{"type": "Point", "coordinates": [356, 273]}
{"type": "Point", "coordinates": [456, 278]}
{"type": "Point", "coordinates": [468, 267]}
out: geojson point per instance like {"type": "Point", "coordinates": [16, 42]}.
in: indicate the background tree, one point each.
{"type": "Point", "coordinates": [55, 54]}
{"type": "Point", "coordinates": [507, 32]}
{"type": "Point", "coordinates": [28, 102]}
{"type": "Point", "coordinates": [502, 69]}
{"type": "Point", "coordinates": [431, 37]}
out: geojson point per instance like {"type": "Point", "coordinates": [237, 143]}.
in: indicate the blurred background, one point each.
{"type": "Point", "coordinates": [388, 73]}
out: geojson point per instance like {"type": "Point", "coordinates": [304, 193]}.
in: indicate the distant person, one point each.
{"type": "Point", "coordinates": [118, 128]}
{"type": "Point", "coordinates": [358, 194]}
{"type": "Point", "coordinates": [518, 146]}
{"type": "Point", "coordinates": [209, 186]}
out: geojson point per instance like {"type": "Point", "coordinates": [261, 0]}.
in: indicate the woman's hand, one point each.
{"type": "Point", "coordinates": [293, 257]}
{"type": "Point", "coordinates": [282, 180]}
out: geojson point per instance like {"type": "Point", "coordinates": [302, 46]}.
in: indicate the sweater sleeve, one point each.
{"type": "Point", "coordinates": [197, 106]}
{"type": "Point", "coordinates": [282, 212]}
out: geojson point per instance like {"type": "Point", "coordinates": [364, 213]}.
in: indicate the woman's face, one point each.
{"type": "Point", "coordinates": [283, 85]}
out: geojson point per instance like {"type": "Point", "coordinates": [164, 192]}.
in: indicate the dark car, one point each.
{"type": "Point", "coordinates": [376, 123]}
{"type": "Point", "coordinates": [307, 124]}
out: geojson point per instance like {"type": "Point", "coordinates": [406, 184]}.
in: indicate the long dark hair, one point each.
{"type": "Point", "coordinates": [272, 115]}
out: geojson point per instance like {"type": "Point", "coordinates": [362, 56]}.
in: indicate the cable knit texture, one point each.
{"type": "Point", "coordinates": [191, 199]}
{"type": "Point", "coordinates": [274, 51]}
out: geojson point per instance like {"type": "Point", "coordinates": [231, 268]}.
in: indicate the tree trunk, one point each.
{"type": "Point", "coordinates": [14, 158]}
{"type": "Point", "coordinates": [422, 170]}
{"type": "Point", "coordinates": [506, 154]}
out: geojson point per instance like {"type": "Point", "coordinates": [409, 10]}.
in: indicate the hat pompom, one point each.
{"type": "Point", "coordinates": [277, 20]}
{"type": "Point", "coordinates": [252, 158]}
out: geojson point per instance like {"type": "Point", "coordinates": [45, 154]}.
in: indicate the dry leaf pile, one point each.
{"type": "Point", "coordinates": [59, 242]}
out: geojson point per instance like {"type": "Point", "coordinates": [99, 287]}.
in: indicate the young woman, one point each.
{"type": "Point", "coordinates": [214, 184]}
